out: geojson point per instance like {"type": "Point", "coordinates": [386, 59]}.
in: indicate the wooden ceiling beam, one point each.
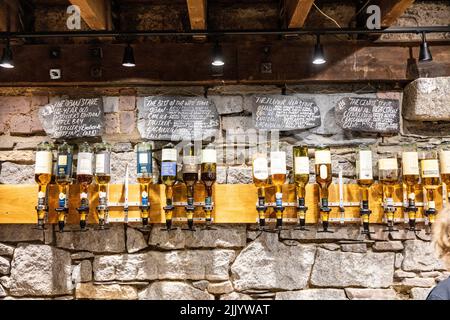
{"type": "Point", "coordinates": [96, 13]}
{"type": "Point", "coordinates": [9, 20]}
{"type": "Point", "coordinates": [297, 11]}
{"type": "Point", "coordinates": [391, 10]}
{"type": "Point", "coordinates": [197, 16]}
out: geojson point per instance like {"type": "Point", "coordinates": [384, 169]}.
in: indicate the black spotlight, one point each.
{"type": "Point", "coordinates": [217, 59]}
{"type": "Point", "coordinates": [318, 57]}
{"type": "Point", "coordinates": [128, 57]}
{"type": "Point", "coordinates": [425, 53]}
{"type": "Point", "coordinates": [7, 57]}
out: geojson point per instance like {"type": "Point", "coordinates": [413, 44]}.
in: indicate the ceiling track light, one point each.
{"type": "Point", "coordinates": [128, 57]}
{"type": "Point", "coordinates": [425, 53]}
{"type": "Point", "coordinates": [217, 58]}
{"type": "Point", "coordinates": [7, 57]}
{"type": "Point", "coordinates": [319, 57]}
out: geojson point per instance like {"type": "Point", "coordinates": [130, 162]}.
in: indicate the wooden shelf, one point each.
{"type": "Point", "coordinates": [233, 203]}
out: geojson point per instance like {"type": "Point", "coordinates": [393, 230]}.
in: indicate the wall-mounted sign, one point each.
{"type": "Point", "coordinates": [177, 118]}
{"type": "Point", "coordinates": [368, 114]}
{"type": "Point", "coordinates": [280, 112]}
{"type": "Point", "coordinates": [73, 118]}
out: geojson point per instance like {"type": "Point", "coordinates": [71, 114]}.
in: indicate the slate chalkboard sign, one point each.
{"type": "Point", "coordinates": [73, 118]}
{"type": "Point", "coordinates": [279, 112]}
{"type": "Point", "coordinates": [368, 114]}
{"type": "Point", "coordinates": [177, 118]}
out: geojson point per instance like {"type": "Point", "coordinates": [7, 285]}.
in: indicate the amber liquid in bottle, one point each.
{"type": "Point", "coordinates": [208, 176]}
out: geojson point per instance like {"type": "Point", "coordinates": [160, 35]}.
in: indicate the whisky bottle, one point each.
{"type": "Point", "coordinates": [364, 177]}
{"type": "Point", "coordinates": [278, 175]}
{"type": "Point", "coordinates": [323, 178]}
{"type": "Point", "coordinates": [190, 177]}
{"type": "Point", "coordinates": [84, 178]}
{"type": "Point", "coordinates": [388, 175]}
{"type": "Point", "coordinates": [102, 178]}
{"type": "Point", "coordinates": [63, 180]}
{"type": "Point", "coordinates": [169, 177]}
{"type": "Point", "coordinates": [429, 173]}
{"type": "Point", "coordinates": [208, 177]}
{"type": "Point", "coordinates": [260, 173]}
{"type": "Point", "coordinates": [43, 175]}
{"type": "Point", "coordinates": [444, 161]}
{"type": "Point", "coordinates": [301, 179]}
{"type": "Point", "coordinates": [410, 169]}
{"type": "Point", "coordinates": [144, 177]}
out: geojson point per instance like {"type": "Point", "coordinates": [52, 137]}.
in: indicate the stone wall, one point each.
{"type": "Point", "coordinates": [232, 262]}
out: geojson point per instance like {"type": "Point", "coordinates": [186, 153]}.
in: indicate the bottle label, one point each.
{"type": "Point", "coordinates": [279, 199]}
{"type": "Point", "coordinates": [84, 163]}
{"type": "Point", "coordinates": [323, 157]}
{"type": "Point", "coordinates": [43, 162]}
{"type": "Point", "coordinates": [260, 169]}
{"type": "Point", "coordinates": [365, 164]}
{"type": "Point", "coordinates": [144, 198]}
{"type": "Point", "coordinates": [323, 171]}
{"type": "Point", "coordinates": [41, 195]}
{"type": "Point", "coordinates": [62, 200]}
{"type": "Point", "coordinates": [209, 156]}
{"type": "Point", "coordinates": [190, 164]}
{"type": "Point", "coordinates": [410, 163]}
{"type": "Point", "coordinates": [169, 155]}
{"type": "Point", "coordinates": [278, 162]}
{"type": "Point", "coordinates": [387, 164]}
{"type": "Point", "coordinates": [431, 205]}
{"type": "Point", "coordinates": [301, 165]}
{"type": "Point", "coordinates": [64, 165]}
{"type": "Point", "coordinates": [444, 158]}
{"type": "Point", "coordinates": [208, 201]}
{"type": "Point", "coordinates": [412, 196]}
{"type": "Point", "coordinates": [102, 163]}
{"type": "Point", "coordinates": [430, 168]}
{"type": "Point", "coordinates": [144, 164]}
{"type": "Point", "coordinates": [168, 169]}
{"type": "Point", "coordinates": [83, 195]}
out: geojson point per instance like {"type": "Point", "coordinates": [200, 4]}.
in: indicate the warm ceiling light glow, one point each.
{"type": "Point", "coordinates": [217, 60]}
{"type": "Point", "coordinates": [318, 57]}
{"type": "Point", "coordinates": [7, 58]}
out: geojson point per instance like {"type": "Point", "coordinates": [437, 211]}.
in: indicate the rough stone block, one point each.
{"type": "Point", "coordinates": [6, 250]}
{"type": "Point", "coordinates": [174, 265]}
{"type": "Point", "coordinates": [112, 123]}
{"type": "Point", "coordinates": [399, 274]}
{"type": "Point", "coordinates": [354, 247]}
{"type": "Point", "coordinates": [420, 256]}
{"type": "Point", "coordinates": [340, 233]}
{"type": "Point", "coordinates": [40, 270]}
{"type": "Point", "coordinates": [2, 292]}
{"type": "Point", "coordinates": [127, 103]}
{"type": "Point", "coordinates": [12, 173]}
{"type": "Point", "coordinates": [371, 294]}
{"type": "Point", "coordinates": [105, 292]}
{"type": "Point", "coordinates": [201, 284]}
{"type": "Point", "coordinates": [119, 161]}
{"type": "Point", "coordinates": [235, 296]}
{"type": "Point", "coordinates": [17, 156]}
{"type": "Point", "coordinates": [223, 237]}
{"type": "Point", "coordinates": [15, 105]}
{"type": "Point", "coordinates": [418, 282]}
{"type": "Point", "coordinates": [387, 246]}
{"type": "Point", "coordinates": [109, 240]}
{"type": "Point", "coordinates": [135, 240]}
{"type": "Point", "coordinates": [420, 293]}
{"type": "Point", "coordinates": [38, 101]}
{"type": "Point", "coordinates": [4, 266]}
{"type": "Point", "coordinates": [127, 121]}
{"type": "Point", "coordinates": [228, 104]}
{"type": "Point", "coordinates": [239, 175]}
{"type": "Point", "coordinates": [6, 143]}
{"type": "Point", "coordinates": [312, 294]}
{"type": "Point", "coordinates": [168, 290]}
{"type": "Point", "coordinates": [20, 125]}
{"type": "Point", "coordinates": [427, 99]}
{"type": "Point", "coordinates": [20, 233]}
{"type": "Point", "coordinates": [36, 125]}
{"type": "Point", "coordinates": [337, 269]}
{"type": "Point", "coordinates": [266, 263]}
{"type": "Point", "coordinates": [237, 123]}
{"type": "Point", "coordinates": [110, 104]}
{"type": "Point", "coordinates": [81, 255]}
{"type": "Point", "coordinates": [220, 288]}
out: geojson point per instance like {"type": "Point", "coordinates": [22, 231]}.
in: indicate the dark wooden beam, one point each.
{"type": "Point", "coordinates": [9, 15]}
{"type": "Point", "coordinates": [297, 11]}
{"type": "Point", "coordinates": [197, 16]}
{"type": "Point", "coordinates": [176, 63]}
{"type": "Point", "coordinates": [96, 13]}
{"type": "Point", "coordinates": [391, 10]}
